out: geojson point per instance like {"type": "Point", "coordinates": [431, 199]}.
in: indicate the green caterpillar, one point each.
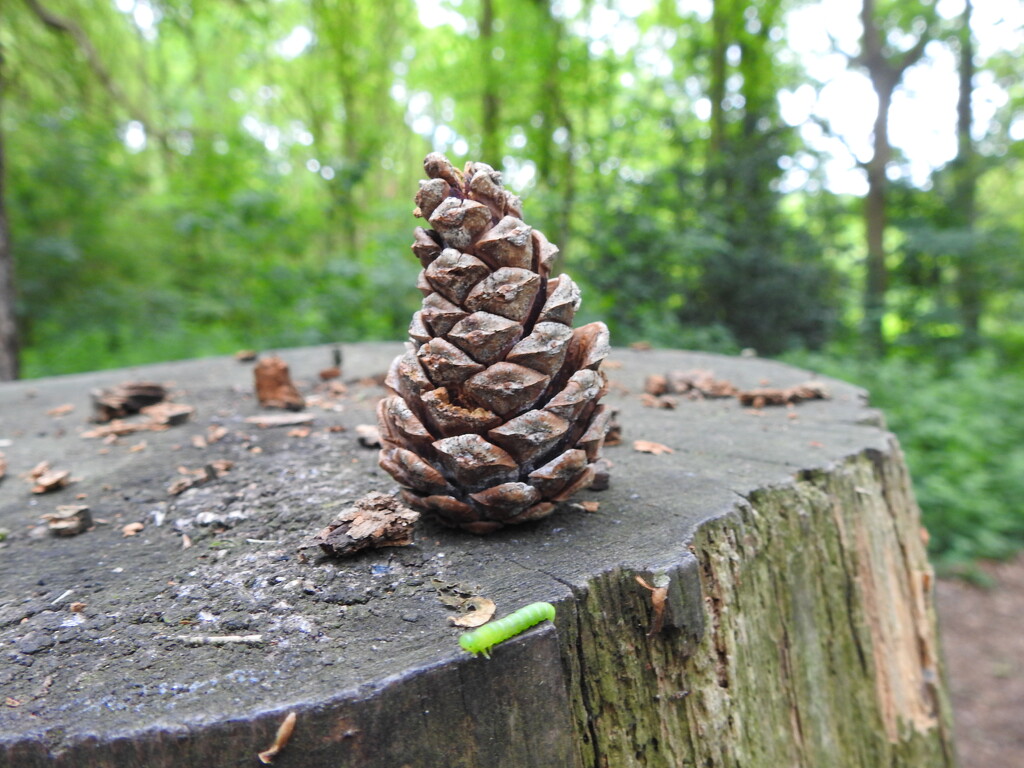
{"type": "Point", "coordinates": [481, 640]}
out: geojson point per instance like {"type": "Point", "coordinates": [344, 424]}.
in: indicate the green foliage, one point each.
{"type": "Point", "coordinates": [962, 429]}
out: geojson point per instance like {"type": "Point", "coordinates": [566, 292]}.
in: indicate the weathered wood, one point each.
{"type": "Point", "coordinates": [798, 627]}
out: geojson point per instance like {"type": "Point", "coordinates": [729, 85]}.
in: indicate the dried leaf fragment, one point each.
{"type": "Point", "coordinates": [647, 446]}
{"type": "Point", "coordinates": [375, 520]}
{"type": "Point", "coordinates": [478, 611]}
{"type": "Point", "coordinates": [51, 480]}
{"type": "Point", "coordinates": [659, 596]}
{"type": "Point", "coordinates": [284, 733]}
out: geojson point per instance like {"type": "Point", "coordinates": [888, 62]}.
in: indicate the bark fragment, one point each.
{"type": "Point", "coordinates": [274, 385]}
{"type": "Point", "coordinates": [375, 520]}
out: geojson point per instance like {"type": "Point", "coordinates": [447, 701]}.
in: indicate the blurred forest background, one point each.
{"type": "Point", "coordinates": [191, 177]}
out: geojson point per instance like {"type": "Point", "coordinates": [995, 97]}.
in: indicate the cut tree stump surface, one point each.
{"type": "Point", "coordinates": [799, 627]}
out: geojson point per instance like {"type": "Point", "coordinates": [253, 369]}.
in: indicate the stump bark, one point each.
{"type": "Point", "coordinates": [798, 629]}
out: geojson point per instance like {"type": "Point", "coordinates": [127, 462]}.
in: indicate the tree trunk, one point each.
{"type": "Point", "coordinates": [968, 286]}
{"type": "Point", "coordinates": [798, 625]}
{"type": "Point", "coordinates": [874, 223]}
{"type": "Point", "coordinates": [716, 94]}
{"type": "Point", "coordinates": [490, 148]}
{"type": "Point", "coordinates": [9, 360]}
{"type": "Point", "coordinates": [885, 68]}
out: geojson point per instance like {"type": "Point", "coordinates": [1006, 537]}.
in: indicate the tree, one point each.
{"type": "Point", "coordinates": [9, 362]}
{"type": "Point", "coordinates": [885, 65]}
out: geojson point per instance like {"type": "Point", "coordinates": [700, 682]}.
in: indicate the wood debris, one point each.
{"type": "Point", "coordinates": [284, 733]}
{"type": "Point", "coordinates": [368, 436]}
{"type": "Point", "coordinates": [60, 410]}
{"type": "Point", "coordinates": [762, 396]}
{"type": "Point", "coordinates": [155, 418]}
{"type": "Point", "coordinates": [270, 420]}
{"type": "Point", "coordinates": [590, 506]}
{"type": "Point", "coordinates": [274, 385]}
{"type": "Point", "coordinates": [299, 432]}
{"type": "Point", "coordinates": [198, 640]}
{"type": "Point", "coordinates": [478, 611]}
{"type": "Point", "coordinates": [375, 520]}
{"type": "Point", "coordinates": [695, 384]}
{"type": "Point", "coordinates": [245, 355]}
{"type": "Point", "coordinates": [77, 607]}
{"type": "Point", "coordinates": [194, 477]}
{"type": "Point", "coordinates": [665, 402]}
{"type": "Point", "coordinates": [647, 446]}
{"type": "Point", "coordinates": [125, 399]}
{"type": "Point", "coordinates": [69, 520]}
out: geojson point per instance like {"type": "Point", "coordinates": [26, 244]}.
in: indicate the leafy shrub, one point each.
{"type": "Point", "coordinates": [962, 429]}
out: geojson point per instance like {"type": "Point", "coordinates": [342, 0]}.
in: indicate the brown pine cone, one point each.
{"type": "Point", "coordinates": [495, 413]}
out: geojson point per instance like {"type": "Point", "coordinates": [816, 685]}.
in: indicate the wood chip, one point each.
{"type": "Point", "coordinates": [60, 410]}
{"type": "Point", "coordinates": [590, 506]}
{"type": "Point", "coordinates": [77, 607]}
{"type": "Point", "coordinates": [274, 385]}
{"type": "Point", "coordinates": [215, 433]}
{"type": "Point", "coordinates": [478, 611]}
{"type": "Point", "coordinates": [299, 432]}
{"type": "Point", "coordinates": [284, 733]}
{"type": "Point", "coordinates": [132, 529]}
{"type": "Point", "coordinates": [245, 355]}
{"type": "Point", "coordinates": [271, 420]}
{"type": "Point", "coordinates": [375, 520]}
{"type": "Point", "coordinates": [647, 446]}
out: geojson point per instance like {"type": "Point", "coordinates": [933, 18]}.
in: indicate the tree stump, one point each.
{"type": "Point", "coordinates": [798, 627]}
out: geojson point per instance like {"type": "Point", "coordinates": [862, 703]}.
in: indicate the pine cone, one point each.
{"type": "Point", "coordinates": [495, 415]}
